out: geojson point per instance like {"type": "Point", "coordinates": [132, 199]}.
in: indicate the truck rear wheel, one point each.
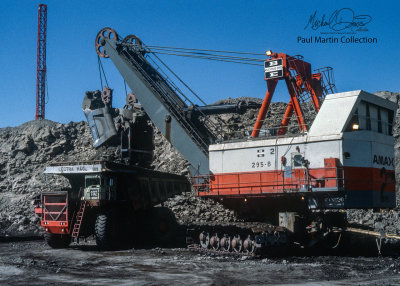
{"type": "Point", "coordinates": [57, 240]}
{"type": "Point", "coordinates": [163, 226]}
{"type": "Point", "coordinates": [107, 230]}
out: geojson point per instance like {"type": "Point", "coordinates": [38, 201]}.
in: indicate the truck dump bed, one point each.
{"type": "Point", "coordinates": [141, 187]}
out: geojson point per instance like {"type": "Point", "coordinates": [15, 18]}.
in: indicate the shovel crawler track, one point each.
{"type": "Point", "coordinates": [238, 238]}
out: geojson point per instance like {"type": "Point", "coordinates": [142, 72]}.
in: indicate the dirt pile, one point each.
{"type": "Point", "coordinates": [26, 150]}
{"type": "Point", "coordinates": [24, 153]}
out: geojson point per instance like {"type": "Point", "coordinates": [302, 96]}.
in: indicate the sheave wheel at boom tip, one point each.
{"type": "Point", "coordinates": [105, 33]}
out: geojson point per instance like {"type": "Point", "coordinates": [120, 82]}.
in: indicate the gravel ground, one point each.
{"type": "Point", "coordinates": [34, 263]}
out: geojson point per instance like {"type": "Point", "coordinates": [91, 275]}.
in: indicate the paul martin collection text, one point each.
{"type": "Point", "coordinates": [336, 40]}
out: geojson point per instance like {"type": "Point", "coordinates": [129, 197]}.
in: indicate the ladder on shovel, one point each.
{"type": "Point", "coordinates": [78, 221]}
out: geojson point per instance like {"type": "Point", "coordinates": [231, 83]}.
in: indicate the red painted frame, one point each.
{"type": "Point", "coordinates": [304, 80]}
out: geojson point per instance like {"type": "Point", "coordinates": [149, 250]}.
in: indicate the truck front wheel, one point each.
{"type": "Point", "coordinates": [107, 230]}
{"type": "Point", "coordinates": [57, 240]}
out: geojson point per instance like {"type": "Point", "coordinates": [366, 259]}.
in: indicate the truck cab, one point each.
{"type": "Point", "coordinates": [99, 187]}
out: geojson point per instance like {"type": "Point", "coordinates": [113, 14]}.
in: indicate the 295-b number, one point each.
{"type": "Point", "coordinates": [260, 164]}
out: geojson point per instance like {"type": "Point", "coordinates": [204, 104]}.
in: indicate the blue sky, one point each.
{"type": "Point", "coordinates": [248, 26]}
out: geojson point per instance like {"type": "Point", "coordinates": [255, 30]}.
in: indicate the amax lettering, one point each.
{"type": "Point", "coordinates": [383, 160]}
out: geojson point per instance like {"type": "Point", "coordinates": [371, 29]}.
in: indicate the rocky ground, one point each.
{"type": "Point", "coordinates": [34, 263]}
{"type": "Point", "coordinates": [26, 150]}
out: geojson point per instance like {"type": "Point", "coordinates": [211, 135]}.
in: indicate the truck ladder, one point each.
{"type": "Point", "coordinates": [78, 220]}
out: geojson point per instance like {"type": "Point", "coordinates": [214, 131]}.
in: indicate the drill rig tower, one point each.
{"type": "Point", "coordinates": [41, 62]}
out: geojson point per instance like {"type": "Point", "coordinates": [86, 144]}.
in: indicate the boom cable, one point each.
{"type": "Point", "coordinates": [104, 74]}
{"type": "Point", "coordinates": [101, 80]}
{"type": "Point", "coordinates": [188, 87]}
{"type": "Point", "coordinates": [205, 54]}
{"type": "Point", "coordinates": [202, 50]}
{"type": "Point", "coordinates": [212, 58]}
{"type": "Point", "coordinates": [209, 54]}
{"type": "Point", "coordinates": [217, 117]}
{"type": "Point", "coordinates": [213, 55]}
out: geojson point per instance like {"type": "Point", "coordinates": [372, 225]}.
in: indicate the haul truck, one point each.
{"type": "Point", "coordinates": [108, 200]}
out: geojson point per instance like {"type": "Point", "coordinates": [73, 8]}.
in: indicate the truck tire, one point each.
{"type": "Point", "coordinates": [107, 230]}
{"type": "Point", "coordinates": [57, 240]}
{"type": "Point", "coordinates": [163, 226]}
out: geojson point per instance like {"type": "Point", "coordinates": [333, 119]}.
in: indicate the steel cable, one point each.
{"type": "Point", "coordinates": [208, 58]}
{"type": "Point", "coordinates": [104, 74]}
{"type": "Point", "coordinates": [210, 54]}
{"type": "Point", "coordinates": [192, 91]}
{"type": "Point", "coordinates": [202, 50]}
{"type": "Point", "coordinates": [101, 80]}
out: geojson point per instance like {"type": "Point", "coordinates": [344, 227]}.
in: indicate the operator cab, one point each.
{"type": "Point", "coordinates": [355, 111]}
{"type": "Point", "coordinates": [92, 180]}
{"type": "Point", "coordinates": [99, 187]}
{"type": "Point", "coordinates": [370, 116]}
